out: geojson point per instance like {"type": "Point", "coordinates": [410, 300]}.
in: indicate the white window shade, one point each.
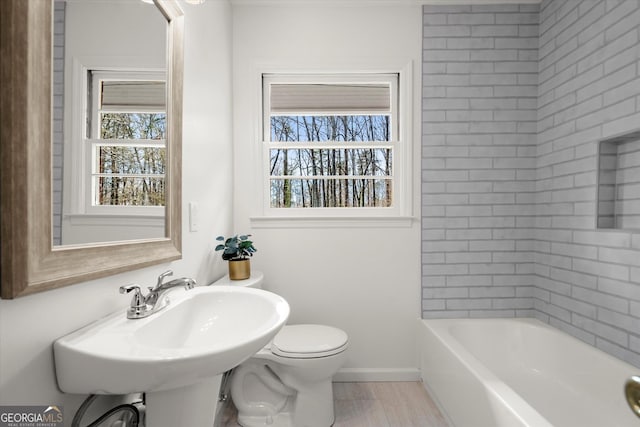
{"type": "Point", "coordinates": [332, 98]}
{"type": "Point", "coordinates": [143, 95]}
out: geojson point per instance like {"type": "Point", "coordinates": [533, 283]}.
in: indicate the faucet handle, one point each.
{"type": "Point", "coordinates": [138, 306]}
{"type": "Point", "coordinates": [138, 299]}
{"type": "Point", "coordinates": [162, 276]}
{"type": "Point", "coordinates": [125, 289]}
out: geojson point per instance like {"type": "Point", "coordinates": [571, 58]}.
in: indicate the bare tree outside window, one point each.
{"type": "Point", "coordinates": [344, 174]}
{"type": "Point", "coordinates": [130, 166]}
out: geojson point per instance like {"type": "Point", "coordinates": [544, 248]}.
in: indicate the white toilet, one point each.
{"type": "Point", "coordinates": [288, 382]}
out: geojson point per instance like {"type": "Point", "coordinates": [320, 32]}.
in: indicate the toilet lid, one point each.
{"type": "Point", "coordinates": [307, 341]}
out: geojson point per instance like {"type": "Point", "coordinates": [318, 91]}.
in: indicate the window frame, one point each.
{"type": "Point", "coordinates": [399, 143]}
{"type": "Point", "coordinates": [88, 143]}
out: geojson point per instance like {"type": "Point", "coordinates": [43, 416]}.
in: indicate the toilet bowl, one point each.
{"type": "Point", "coordinates": [288, 383]}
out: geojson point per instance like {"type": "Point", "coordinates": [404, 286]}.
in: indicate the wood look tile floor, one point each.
{"type": "Point", "coordinates": [376, 404]}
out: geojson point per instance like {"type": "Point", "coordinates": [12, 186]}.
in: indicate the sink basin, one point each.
{"type": "Point", "coordinates": [200, 334]}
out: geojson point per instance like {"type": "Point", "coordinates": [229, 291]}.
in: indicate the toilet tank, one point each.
{"type": "Point", "coordinates": [254, 281]}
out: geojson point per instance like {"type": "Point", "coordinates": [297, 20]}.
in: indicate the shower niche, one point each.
{"type": "Point", "coordinates": [619, 182]}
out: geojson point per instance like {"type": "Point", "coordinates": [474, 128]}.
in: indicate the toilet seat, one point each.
{"type": "Point", "coordinates": [308, 341]}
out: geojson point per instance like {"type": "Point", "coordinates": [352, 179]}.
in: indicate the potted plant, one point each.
{"type": "Point", "coordinates": [237, 250]}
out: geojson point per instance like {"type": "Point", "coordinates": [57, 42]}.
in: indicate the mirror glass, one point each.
{"type": "Point", "coordinates": [109, 121]}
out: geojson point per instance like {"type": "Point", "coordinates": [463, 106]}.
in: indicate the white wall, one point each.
{"type": "Point", "coordinates": [29, 325]}
{"type": "Point", "coordinates": [365, 280]}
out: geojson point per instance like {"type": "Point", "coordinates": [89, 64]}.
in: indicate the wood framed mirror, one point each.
{"type": "Point", "coordinates": [30, 262]}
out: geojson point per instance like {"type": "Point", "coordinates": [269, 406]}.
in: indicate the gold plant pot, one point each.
{"type": "Point", "coordinates": [239, 269]}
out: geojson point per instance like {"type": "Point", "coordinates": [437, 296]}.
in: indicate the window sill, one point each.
{"type": "Point", "coordinates": [331, 222]}
{"type": "Point", "coordinates": [114, 219]}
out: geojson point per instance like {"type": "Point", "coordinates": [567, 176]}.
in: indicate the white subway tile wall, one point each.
{"type": "Point", "coordinates": [516, 99]}
{"type": "Point", "coordinates": [480, 74]}
{"type": "Point", "coordinates": [58, 117]}
{"type": "Point", "coordinates": [586, 94]}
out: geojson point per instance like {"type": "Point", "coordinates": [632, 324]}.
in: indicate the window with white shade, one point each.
{"type": "Point", "coordinates": [126, 141]}
{"type": "Point", "coordinates": [332, 144]}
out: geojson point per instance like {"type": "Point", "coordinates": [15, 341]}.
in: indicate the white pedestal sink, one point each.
{"type": "Point", "coordinates": [174, 356]}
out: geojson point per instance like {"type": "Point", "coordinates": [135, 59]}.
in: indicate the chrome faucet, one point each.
{"type": "Point", "coordinates": [145, 305]}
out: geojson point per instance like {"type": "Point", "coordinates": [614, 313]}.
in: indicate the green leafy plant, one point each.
{"type": "Point", "coordinates": [235, 248]}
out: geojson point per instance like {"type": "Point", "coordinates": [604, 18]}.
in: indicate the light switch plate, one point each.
{"type": "Point", "coordinates": [193, 216]}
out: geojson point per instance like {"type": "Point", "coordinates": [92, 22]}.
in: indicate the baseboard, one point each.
{"type": "Point", "coordinates": [376, 374]}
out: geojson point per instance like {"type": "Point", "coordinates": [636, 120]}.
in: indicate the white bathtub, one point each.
{"type": "Point", "coordinates": [521, 372]}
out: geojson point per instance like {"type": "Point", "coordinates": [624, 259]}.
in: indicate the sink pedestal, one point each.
{"type": "Point", "coordinates": [193, 405]}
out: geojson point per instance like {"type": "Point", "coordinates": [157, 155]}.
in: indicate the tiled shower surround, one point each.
{"type": "Point", "coordinates": [57, 120]}
{"type": "Point", "coordinates": [515, 101]}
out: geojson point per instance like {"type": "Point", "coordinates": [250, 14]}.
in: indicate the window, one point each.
{"type": "Point", "coordinates": [126, 141]}
{"type": "Point", "coordinates": [331, 143]}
